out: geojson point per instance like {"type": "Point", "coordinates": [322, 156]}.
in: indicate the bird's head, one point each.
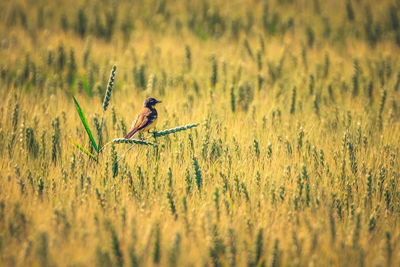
{"type": "Point", "coordinates": [151, 102]}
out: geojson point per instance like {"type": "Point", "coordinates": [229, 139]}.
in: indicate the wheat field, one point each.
{"type": "Point", "coordinates": [295, 161]}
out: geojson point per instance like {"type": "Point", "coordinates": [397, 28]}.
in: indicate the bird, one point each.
{"type": "Point", "coordinates": [146, 119]}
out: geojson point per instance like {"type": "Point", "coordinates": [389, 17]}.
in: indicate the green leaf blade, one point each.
{"type": "Point", "coordinates": [81, 148]}
{"type": "Point", "coordinates": [85, 124]}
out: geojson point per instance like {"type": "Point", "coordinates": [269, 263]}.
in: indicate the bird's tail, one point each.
{"type": "Point", "coordinates": [130, 134]}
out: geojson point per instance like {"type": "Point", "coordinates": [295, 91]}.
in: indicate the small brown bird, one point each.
{"type": "Point", "coordinates": [146, 118]}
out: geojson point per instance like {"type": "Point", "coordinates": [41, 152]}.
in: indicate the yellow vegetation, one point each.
{"type": "Point", "coordinates": [295, 161]}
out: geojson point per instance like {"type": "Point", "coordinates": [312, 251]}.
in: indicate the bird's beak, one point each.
{"type": "Point", "coordinates": [159, 101]}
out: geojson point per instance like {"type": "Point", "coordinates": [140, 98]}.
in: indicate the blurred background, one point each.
{"type": "Point", "coordinates": [295, 161]}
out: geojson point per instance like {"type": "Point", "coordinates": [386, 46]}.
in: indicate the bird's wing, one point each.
{"type": "Point", "coordinates": [142, 121]}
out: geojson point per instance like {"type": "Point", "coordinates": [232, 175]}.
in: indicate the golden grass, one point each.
{"type": "Point", "coordinates": [323, 188]}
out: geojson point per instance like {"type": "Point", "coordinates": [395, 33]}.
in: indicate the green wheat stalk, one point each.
{"type": "Point", "coordinates": [131, 141]}
{"type": "Point", "coordinates": [155, 135]}
{"type": "Point", "coordinates": [174, 130]}
{"type": "Point", "coordinates": [106, 101]}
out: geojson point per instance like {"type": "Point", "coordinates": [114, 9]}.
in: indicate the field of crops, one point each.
{"type": "Point", "coordinates": [295, 161]}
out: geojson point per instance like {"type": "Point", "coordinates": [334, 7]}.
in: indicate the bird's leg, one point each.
{"type": "Point", "coordinates": [141, 136]}
{"type": "Point", "coordinates": [123, 155]}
